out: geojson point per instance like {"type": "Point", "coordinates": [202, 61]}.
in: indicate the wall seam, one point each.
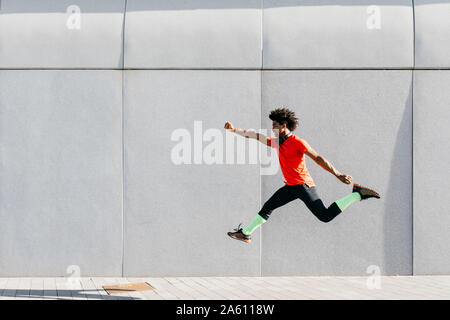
{"type": "Point", "coordinates": [412, 173]}
{"type": "Point", "coordinates": [412, 136]}
{"type": "Point", "coordinates": [237, 69]}
{"type": "Point", "coordinates": [123, 139]}
{"type": "Point", "coordinates": [260, 122]}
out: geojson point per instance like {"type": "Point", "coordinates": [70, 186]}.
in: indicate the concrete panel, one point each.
{"type": "Point", "coordinates": [321, 34]}
{"type": "Point", "coordinates": [361, 122]}
{"type": "Point", "coordinates": [177, 215]}
{"type": "Point", "coordinates": [432, 31]}
{"type": "Point", "coordinates": [193, 34]}
{"type": "Point", "coordinates": [431, 177]}
{"type": "Point", "coordinates": [60, 168]}
{"type": "Point", "coordinates": [61, 34]}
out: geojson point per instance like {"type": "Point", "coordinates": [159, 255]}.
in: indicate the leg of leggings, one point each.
{"type": "Point", "coordinates": [278, 199]}
{"type": "Point", "coordinates": [312, 200]}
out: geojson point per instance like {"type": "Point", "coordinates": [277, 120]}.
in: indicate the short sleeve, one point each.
{"type": "Point", "coordinates": [273, 142]}
{"type": "Point", "coordinates": [302, 145]}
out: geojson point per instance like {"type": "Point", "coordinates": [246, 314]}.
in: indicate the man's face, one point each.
{"type": "Point", "coordinates": [278, 128]}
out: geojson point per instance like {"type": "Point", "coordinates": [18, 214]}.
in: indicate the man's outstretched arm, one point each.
{"type": "Point", "coordinates": [248, 134]}
{"type": "Point", "coordinates": [325, 164]}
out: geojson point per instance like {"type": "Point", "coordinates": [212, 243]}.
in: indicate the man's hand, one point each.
{"type": "Point", "coordinates": [345, 178]}
{"type": "Point", "coordinates": [228, 126]}
{"type": "Point", "coordinates": [252, 134]}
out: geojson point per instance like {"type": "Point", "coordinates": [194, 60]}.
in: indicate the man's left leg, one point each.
{"type": "Point", "coordinates": [281, 197]}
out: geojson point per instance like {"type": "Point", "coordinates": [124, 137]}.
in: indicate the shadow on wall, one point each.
{"type": "Point", "coordinates": [398, 199]}
{"type": "Point", "coordinates": [41, 6]}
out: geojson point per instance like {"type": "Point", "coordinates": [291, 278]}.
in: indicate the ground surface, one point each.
{"type": "Point", "coordinates": [233, 288]}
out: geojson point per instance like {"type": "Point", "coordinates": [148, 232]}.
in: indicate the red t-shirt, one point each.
{"type": "Point", "coordinates": [291, 154]}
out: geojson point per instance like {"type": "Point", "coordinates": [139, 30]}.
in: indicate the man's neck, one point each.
{"type": "Point", "coordinates": [285, 135]}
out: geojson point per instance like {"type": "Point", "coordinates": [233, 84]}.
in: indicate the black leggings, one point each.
{"type": "Point", "coordinates": [307, 194]}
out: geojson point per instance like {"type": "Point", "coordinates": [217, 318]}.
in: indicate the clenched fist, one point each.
{"type": "Point", "coordinates": [345, 178]}
{"type": "Point", "coordinates": [228, 126]}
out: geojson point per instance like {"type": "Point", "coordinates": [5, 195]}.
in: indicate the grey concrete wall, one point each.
{"type": "Point", "coordinates": [366, 135]}
{"type": "Point", "coordinates": [61, 172]}
{"type": "Point", "coordinates": [45, 34]}
{"type": "Point", "coordinates": [177, 216]}
{"type": "Point", "coordinates": [87, 177]}
{"type": "Point", "coordinates": [193, 34]}
{"type": "Point", "coordinates": [432, 32]}
{"type": "Point", "coordinates": [431, 177]}
{"type": "Point", "coordinates": [320, 34]}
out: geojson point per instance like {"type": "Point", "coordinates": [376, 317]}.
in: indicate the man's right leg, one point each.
{"type": "Point", "coordinates": [324, 214]}
{"type": "Point", "coordinates": [278, 199]}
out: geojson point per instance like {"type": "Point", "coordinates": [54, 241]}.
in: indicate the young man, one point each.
{"type": "Point", "coordinates": [298, 182]}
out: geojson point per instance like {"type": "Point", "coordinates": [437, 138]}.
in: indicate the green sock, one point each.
{"type": "Point", "coordinates": [348, 200]}
{"type": "Point", "coordinates": [257, 221]}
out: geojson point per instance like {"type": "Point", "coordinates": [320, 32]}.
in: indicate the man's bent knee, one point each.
{"type": "Point", "coordinates": [325, 219]}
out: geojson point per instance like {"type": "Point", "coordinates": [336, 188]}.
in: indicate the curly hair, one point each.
{"type": "Point", "coordinates": [284, 116]}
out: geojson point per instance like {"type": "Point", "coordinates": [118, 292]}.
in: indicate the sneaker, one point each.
{"type": "Point", "coordinates": [238, 235]}
{"type": "Point", "coordinates": [365, 192]}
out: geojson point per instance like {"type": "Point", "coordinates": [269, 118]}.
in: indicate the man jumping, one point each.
{"type": "Point", "coordinates": [298, 182]}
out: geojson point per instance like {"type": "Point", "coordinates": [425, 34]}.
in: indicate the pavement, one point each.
{"type": "Point", "coordinates": [232, 288]}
